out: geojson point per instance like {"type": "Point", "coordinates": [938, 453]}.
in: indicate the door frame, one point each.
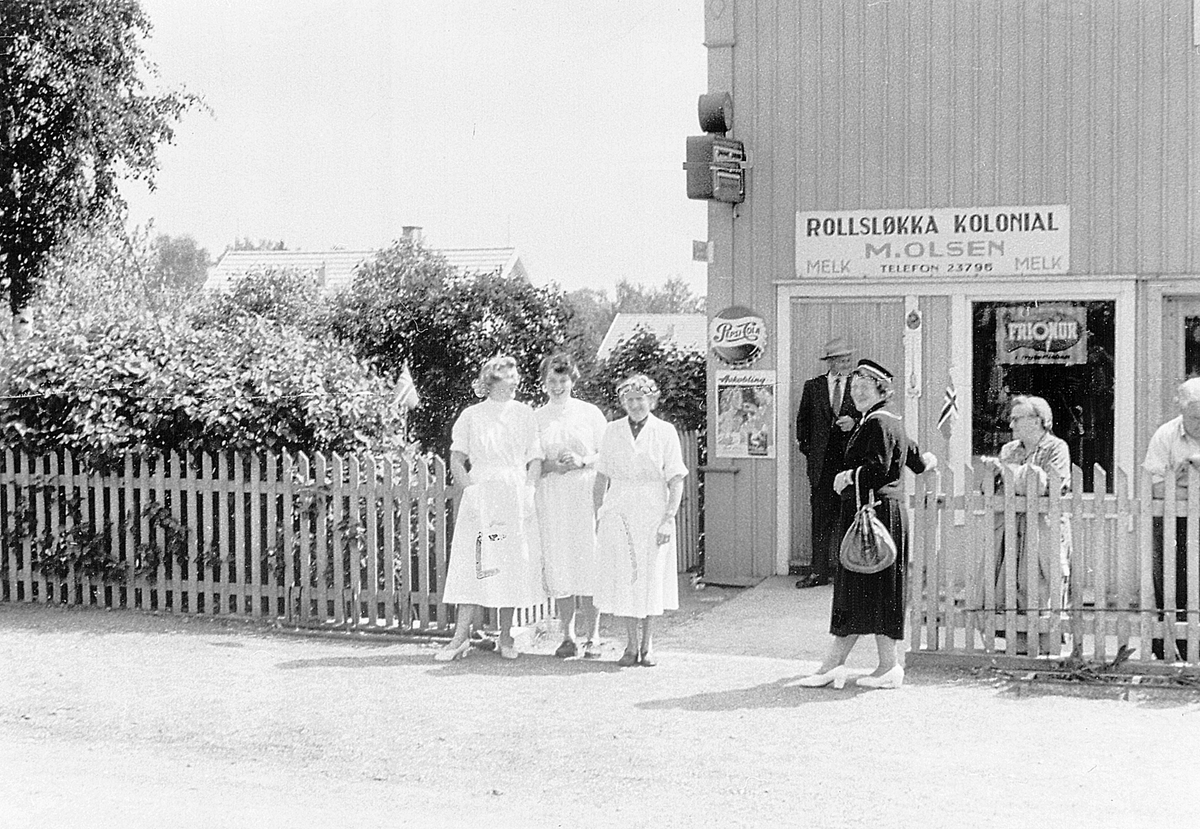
{"type": "Point", "coordinates": [1156, 388]}
{"type": "Point", "coordinates": [1120, 289]}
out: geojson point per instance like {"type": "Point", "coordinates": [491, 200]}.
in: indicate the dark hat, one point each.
{"type": "Point", "coordinates": [837, 347]}
{"type": "Point", "coordinates": [873, 369]}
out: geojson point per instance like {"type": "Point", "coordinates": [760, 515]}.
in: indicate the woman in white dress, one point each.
{"type": "Point", "coordinates": [639, 483]}
{"type": "Point", "coordinates": [571, 431]}
{"type": "Point", "coordinates": [495, 555]}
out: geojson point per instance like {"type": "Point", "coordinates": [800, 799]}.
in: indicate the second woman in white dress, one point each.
{"type": "Point", "coordinates": [571, 431]}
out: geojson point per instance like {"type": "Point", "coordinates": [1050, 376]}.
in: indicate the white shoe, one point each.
{"type": "Point", "coordinates": [835, 675]}
{"type": "Point", "coordinates": [894, 678]}
{"type": "Point", "coordinates": [508, 651]}
{"type": "Point", "coordinates": [449, 654]}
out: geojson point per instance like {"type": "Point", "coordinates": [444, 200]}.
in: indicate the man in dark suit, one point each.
{"type": "Point", "coordinates": [823, 425]}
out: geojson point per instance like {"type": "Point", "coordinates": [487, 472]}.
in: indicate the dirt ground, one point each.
{"type": "Point", "coordinates": [125, 719]}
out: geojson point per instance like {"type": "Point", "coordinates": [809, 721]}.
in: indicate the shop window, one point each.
{"type": "Point", "coordinates": [1061, 351]}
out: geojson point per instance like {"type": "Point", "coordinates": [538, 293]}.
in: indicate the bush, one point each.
{"type": "Point", "coordinates": [285, 296]}
{"type": "Point", "coordinates": [101, 388]}
{"type": "Point", "coordinates": [680, 374]}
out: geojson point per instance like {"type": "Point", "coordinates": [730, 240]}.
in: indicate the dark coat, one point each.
{"type": "Point", "coordinates": [874, 603]}
{"type": "Point", "coordinates": [816, 432]}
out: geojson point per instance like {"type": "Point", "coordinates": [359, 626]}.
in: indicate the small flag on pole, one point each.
{"type": "Point", "coordinates": [949, 411]}
{"type": "Point", "coordinates": [406, 390]}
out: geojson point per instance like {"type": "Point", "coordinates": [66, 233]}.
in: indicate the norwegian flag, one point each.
{"type": "Point", "coordinates": [406, 390]}
{"type": "Point", "coordinates": [949, 413]}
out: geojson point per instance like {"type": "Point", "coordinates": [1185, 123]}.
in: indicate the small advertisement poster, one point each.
{"type": "Point", "coordinates": [1045, 335]}
{"type": "Point", "coordinates": [746, 413]}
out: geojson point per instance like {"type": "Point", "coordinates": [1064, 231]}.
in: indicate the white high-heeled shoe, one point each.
{"type": "Point", "coordinates": [836, 675]}
{"type": "Point", "coordinates": [449, 654]}
{"type": "Point", "coordinates": [893, 678]}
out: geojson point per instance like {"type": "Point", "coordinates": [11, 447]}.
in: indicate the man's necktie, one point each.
{"type": "Point", "coordinates": [836, 400]}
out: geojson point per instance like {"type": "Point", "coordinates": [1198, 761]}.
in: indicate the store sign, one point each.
{"type": "Point", "coordinates": [1041, 335]}
{"type": "Point", "coordinates": [737, 336]}
{"type": "Point", "coordinates": [950, 241]}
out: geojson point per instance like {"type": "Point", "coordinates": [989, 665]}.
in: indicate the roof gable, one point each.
{"type": "Point", "coordinates": [334, 269]}
{"type": "Point", "coordinates": [688, 331]}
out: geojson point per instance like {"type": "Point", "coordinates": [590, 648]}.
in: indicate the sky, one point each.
{"type": "Point", "coordinates": [553, 126]}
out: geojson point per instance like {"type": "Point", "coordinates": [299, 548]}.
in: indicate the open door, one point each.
{"type": "Point", "coordinates": [875, 328]}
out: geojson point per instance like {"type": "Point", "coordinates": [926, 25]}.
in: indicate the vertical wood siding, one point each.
{"type": "Point", "coordinates": [847, 104]}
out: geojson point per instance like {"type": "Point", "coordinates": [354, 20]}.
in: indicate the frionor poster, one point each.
{"type": "Point", "coordinates": [746, 413]}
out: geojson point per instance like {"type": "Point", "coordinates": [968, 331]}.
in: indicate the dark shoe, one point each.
{"type": "Point", "coordinates": [567, 649]}
{"type": "Point", "coordinates": [628, 659]}
{"type": "Point", "coordinates": [811, 580]}
{"type": "Point", "coordinates": [647, 659]}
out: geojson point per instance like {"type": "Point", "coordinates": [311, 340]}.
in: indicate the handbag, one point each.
{"type": "Point", "coordinates": [867, 546]}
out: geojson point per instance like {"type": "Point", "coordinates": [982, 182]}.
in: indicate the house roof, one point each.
{"type": "Point", "coordinates": [335, 268]}
{"type": "Point", "coordinates": [688, 331]}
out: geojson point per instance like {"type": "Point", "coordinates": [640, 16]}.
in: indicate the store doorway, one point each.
{"type": "Point", "coordinates": [875, 328]}
{"type": "Point", "coordinates": [1059, 350]}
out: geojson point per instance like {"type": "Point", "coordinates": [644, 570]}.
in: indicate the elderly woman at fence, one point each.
{"type": "Point", "coordinates": [495, 555]}
{"type": "Point", "coordinates": [639, 484]}
{"type": "Point", "coordinates": [1173, 451]}
{"type": "Point", "coordinates": [1034, 453]}
{"type": "Point", "coordinates": [872, 603]}
{"type": "Point", "coordinates": [571, 431]}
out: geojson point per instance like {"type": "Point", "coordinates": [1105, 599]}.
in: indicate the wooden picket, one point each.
{"type": "Point", "coordinates": [1108, 604]}
{"type": "Point", "coordinates": [338, 542]}
{"type": "Point", "coordinates": [687, 520]}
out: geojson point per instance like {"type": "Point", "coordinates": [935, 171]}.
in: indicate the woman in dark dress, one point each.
{"type": "Point", "coordinates": [872, 603]}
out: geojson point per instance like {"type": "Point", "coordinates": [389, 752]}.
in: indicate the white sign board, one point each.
{"type": "Point", "coordinates": [947, 241]}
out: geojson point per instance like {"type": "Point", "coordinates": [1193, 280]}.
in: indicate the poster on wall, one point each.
{"type": "Point", "coordinates": [950, 241]}
{"type": "Point", "coordinates": [746, 413]}
{"type": "Point", "coordinates": [1041, 335]}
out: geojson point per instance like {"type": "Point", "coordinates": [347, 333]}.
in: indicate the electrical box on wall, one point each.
{"type": "Point", "coordinates": [715, 165]}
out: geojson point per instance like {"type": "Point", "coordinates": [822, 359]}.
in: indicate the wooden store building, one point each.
{"type": "Point", "coordinates": [989, 197]}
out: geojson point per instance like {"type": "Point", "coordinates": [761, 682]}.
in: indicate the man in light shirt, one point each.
{"type": "Point", "coordinates": [1173, 450]}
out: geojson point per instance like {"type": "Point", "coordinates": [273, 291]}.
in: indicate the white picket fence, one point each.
{"type": "Point", "coordinates": [1109, 602]}
{"type": "Point", "coordinates": [350, 542]}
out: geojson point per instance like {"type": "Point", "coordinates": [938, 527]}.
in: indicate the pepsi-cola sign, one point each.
{"type": "Point", "coordinates": [737, 336]}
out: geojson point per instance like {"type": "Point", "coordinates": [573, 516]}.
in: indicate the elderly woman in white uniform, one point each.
{"type": "Point", "coordinates": [495, 555]}
{"type": "Point", "coordinates": [639, 483]}
{"type": "Point", "coordinates": [571, 431]}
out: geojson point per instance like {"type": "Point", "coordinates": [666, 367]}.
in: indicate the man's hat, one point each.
{"type": "Point", "coordinates": [873, 369]}
{"type": "Point", "coordinates": [837, 347]}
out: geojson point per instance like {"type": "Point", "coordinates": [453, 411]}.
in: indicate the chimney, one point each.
{"type": "Point", "coordinates": [412, 233]}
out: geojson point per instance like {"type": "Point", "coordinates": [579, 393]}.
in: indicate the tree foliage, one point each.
{"type": "Point", "coordinates": [124, 370]}
{"type": "Point", "coordinates": [284, 296]}
{"type": "Point", "coordinates": [101, 388]}
{"type": "Point", "coordinates": [75, 116]}
{"type": "Point", "coordinates": [672, 297]}
{"type": "Point", "coordinates": [179, 263]}
{"type": "Point", "coordinates": [246, 243]}
{"type": "Point", "coordinates": [408, 305]}
{"type": "Point", "coordinates": [679, 373]}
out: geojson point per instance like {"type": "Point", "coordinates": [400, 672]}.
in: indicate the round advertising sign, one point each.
{"type": "Point", "coordinates": [737, 336]}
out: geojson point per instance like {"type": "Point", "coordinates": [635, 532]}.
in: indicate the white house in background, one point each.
{"type": "Point", "coordinates": [688, 331]}
{"type": "Point", "coordinates": [335, 268]}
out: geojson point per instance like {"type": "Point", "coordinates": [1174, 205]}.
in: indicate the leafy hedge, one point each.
{"type": "Point", "coordinates": [101, 388]}
{"type": "Point", "coordinates": [680, 375]}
